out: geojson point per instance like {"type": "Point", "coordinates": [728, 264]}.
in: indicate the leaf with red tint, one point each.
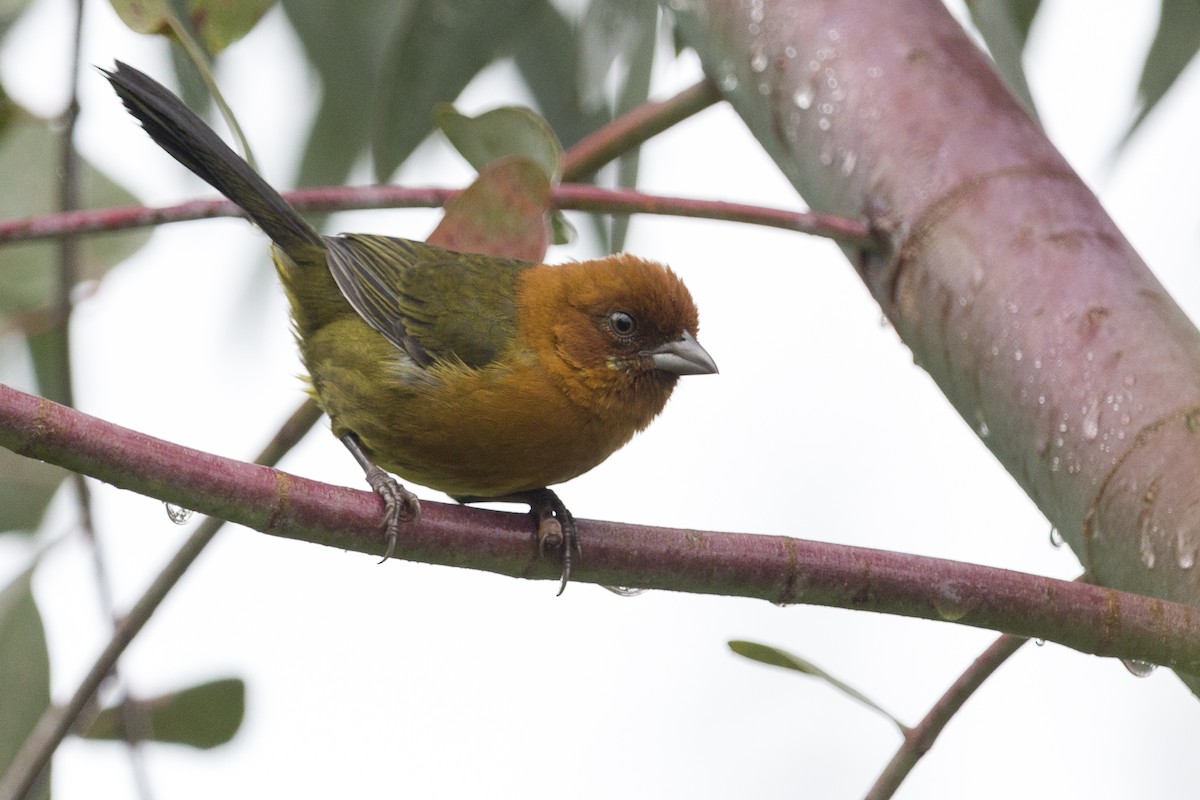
{"type": "Point", "coordinates": [505, 212]}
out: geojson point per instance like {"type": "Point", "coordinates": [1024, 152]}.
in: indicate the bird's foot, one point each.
{"type": "Point", "coordinates": [555, 525]}
{"type": "Point", "coordinates": [400, 505]}
{"type": "Point", "coordinates": [549, 530]}
{"type": "Point", "coordinates": [555, 529]}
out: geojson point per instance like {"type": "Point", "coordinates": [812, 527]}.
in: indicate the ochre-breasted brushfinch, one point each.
{"type": "Point", "coordinates": [485, 378]}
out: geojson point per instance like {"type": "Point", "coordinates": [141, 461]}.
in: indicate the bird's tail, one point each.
{"type": "Point", "coordinates": [178, 130]}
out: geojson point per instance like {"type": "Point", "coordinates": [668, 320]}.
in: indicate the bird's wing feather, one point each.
{"type": "Point", "coordinates": [434, 304]}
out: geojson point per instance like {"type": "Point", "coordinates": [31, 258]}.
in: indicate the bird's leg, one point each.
{"type": "Point", "coordinates": [555, 524]}
{"type": "Point", "coordinates": [400, 504]}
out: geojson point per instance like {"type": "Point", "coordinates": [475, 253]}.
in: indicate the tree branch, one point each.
{"type": "Point", "coordinates": [919, 740]}
{"type": "Point", "coordinates": [780, 569]}
{"type": "Point", "coordinates": [57, 721]}
{"type": "Point", "coordinates": [568, 197]}
{"type": "Point", "coordinates": [60, 366]}
{"type": "Point", "coordinates": [1014, 289]}
{"type": "Point", "coordinates": [853, 233]}
{"type": "Point", "coordinates": [632, 129]}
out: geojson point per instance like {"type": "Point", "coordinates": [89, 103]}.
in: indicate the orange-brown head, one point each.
{"type": "Point", "coordinates": [615, 333]}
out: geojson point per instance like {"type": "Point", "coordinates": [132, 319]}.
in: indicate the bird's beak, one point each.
{"type": "Point", "coordinates": [684, 356]}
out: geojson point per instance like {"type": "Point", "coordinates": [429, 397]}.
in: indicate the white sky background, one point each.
{"type": "Point", "coordinates": [409, 680]}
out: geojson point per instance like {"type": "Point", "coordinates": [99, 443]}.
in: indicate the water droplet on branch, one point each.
{"type": "Point", "coordinates": [803, 98]}
{"type": "Point", "coordinates": [1137, 668]}
{"type": "Point", "coordinates": [178, 514]}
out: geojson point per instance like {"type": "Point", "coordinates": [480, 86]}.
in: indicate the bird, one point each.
{"type": "Point", "coordinates": [486, 378]}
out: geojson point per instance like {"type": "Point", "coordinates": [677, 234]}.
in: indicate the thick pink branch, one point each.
{"type": "Point", "coordinates": [775, 568]}
{"type": "Point", "coordinates": [1007, 279]}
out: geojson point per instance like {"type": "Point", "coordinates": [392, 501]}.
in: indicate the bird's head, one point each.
{"type": "Point", "coordinates": [617, 332]}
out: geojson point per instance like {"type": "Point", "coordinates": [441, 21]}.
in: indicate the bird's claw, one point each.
{"type": "Point", "coordinates": [555, 529]}
{"type": "Point", "coordinates": [571, 548]}
{"type": "Point", "coordinates": [400, 505]}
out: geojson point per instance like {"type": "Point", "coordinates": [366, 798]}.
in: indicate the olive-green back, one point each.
{"type": "Point", "coordinates": [432, 303]}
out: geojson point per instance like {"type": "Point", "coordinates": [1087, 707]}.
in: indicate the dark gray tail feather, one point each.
{"type": "Point", "coordinates": [178, 130]}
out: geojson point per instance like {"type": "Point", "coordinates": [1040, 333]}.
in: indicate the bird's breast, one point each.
{"type": "Point", "coordinates": [490, 431]}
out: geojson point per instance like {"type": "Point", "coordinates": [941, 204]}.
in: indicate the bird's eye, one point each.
{"type": "Point", "coordinates": [622, 323]}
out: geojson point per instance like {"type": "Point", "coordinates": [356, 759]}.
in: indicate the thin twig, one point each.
{"type": "Point", "coordinates": [632, 129]}
{"type": "Point", "coordinates": [70, 249]}
{"type": "Point", "coordinates": [57, 721]}
{"type": "Point", "coordinates": [183, 33]}
{"type": "Point", "coordinates": [321, 200]}
{"type": "Point", "coordinates": [588, 155]}
{"type": "Point", "coordinates": [582, 197]}
{"type": "Point", "coordinates": [570, 197]}
{"type": "Point", "coordinates": [918, 740]}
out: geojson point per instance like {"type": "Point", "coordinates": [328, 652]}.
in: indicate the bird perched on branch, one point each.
{"type": "Point", "coordinates": [485, 378]}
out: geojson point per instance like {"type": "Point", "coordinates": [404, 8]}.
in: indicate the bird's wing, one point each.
{"type": "Point", "coordinates": [433, 304]}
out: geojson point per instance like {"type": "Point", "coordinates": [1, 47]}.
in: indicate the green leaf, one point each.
{"type": "Point", "coordinates": [781, 658]}
{"type": "Point", "coordinates": [633, 92]}
{"type": "Point", "coordinates": [202, 716]}
{"type": "Point", "coordinates": [218, 23]}
{"type": "Point", "coordinates": [611, 31]}
{"type": "Point", "coordinates": [26, 488]}
{"type": "Point", "coordinates": [677, 37]}
{"type": "Point", "coordinates": [46, 350]}
{"type": "Point", "coordinates": [501, 132]}
{"type": "Point", "coordinates": [1023, 13]}
{"type": "Point", "coordinates": [190, 81]}
{"type": "Point", "coordinates": [26, 485]}
{"type": "Point", "coordinates": [201, 28]}
{"type": "Point", "coordinates": [1175, 44]}
{"type": "Point", "coordinates": [1005, 29]}
{"type": "Point", "coordinates": [503, 213]}
{"type": "Point", "coordinates": [24, 672]}
{"type": "Point", "coordinates": [432, 58]}
{"type": "Point", "coordinates": [144, 16]}
{"type": "Point", "coordinates": [346, 50]}
{"type": "Point", "coordinates": [546, 52]}
{"type": "Point", "coordinates": [9, 112]}
{"type": "Point", "coordinates": [617, 34]}
{"type": "Point", "coordinates": [29, 161]}
{"type": "Point", "coordinates": [561, 229]}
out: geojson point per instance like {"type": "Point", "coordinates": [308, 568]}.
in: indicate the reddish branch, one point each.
{"type": "Point", "coordinates": [1009, 282]}
{"type": "Point", "coordinates": [780, 569]}
{"type": "Point", "coordinates": [631, 130]}
{"type": "Point", "coordinates": [571, 197]}
{"type": "Point", "coordinates": [855, 233]}
{"type": "Point", "coordinates": [919, 740]}
{"type": "Point", "coordinates": [58, 720]}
